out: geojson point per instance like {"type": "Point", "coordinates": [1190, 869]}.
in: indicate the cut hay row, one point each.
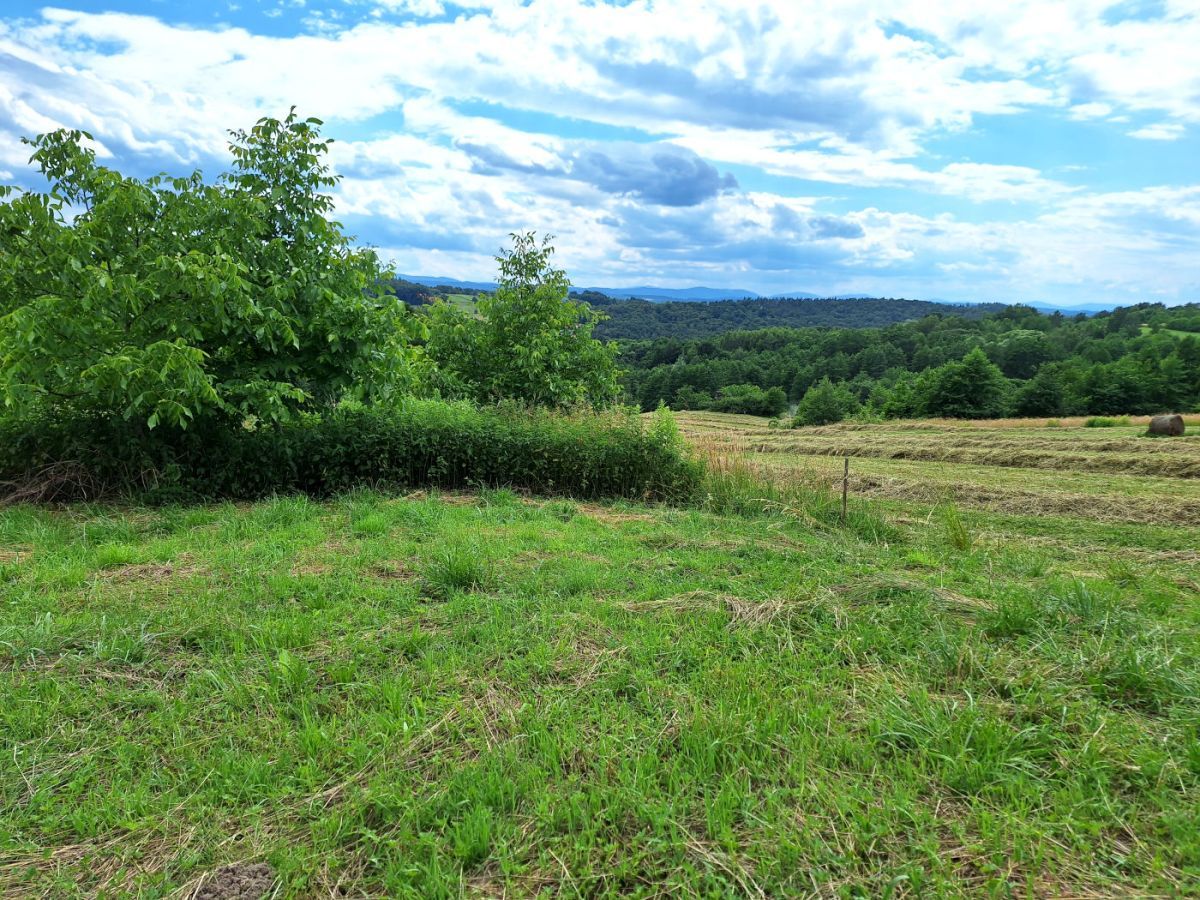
{"type": "Point", "coordinates": [1096, 508]}
{"type": "Point", "coordinates": [1156, 460]}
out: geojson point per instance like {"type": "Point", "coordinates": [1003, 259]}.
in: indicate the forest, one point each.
{"type": "Point", "coordinates": [1016, 361]}
{"type": "Point", "coordinates": [646, 320]}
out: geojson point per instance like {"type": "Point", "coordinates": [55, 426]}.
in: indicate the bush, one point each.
{"type": "Point", "coordinates": [414, 443]}
{"type": "Point", "coordinates": [1106, 422]}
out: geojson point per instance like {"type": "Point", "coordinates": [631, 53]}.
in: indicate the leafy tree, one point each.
{"type": "Point", "coordinates": [530, 342]}
{"type": "Point", "coordinates": [1113, 389]}
{"type": "Point", "coordinates": [902, 400]}
{"type": "Point", "coordinates": [750, 400]}
{"type": "Point", "coordinates": [1042, 395]}
{"type": "Point", "coordinates": [823, 404]}
{"type": "Point", "coordinates": [1022, 352]}
{"type": "Point", "coordinates": [687, 397]}
{"type": "Point", "coordinates": [168, 299]}
{"type": "Point", "coordinates": [972, 388]}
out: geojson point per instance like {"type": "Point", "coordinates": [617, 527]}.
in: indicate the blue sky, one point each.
{"type": "Point", "coordinates": [1017, 151]}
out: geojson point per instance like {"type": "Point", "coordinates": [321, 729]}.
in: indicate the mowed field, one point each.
{"type": "Point", "coordinates": [987, 685]}
{"type": "Point", "coordinates": [1017, 466]}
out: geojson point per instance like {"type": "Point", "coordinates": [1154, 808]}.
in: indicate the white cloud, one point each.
{"type": "Point", "coordinates": [1160, 131]}
{"type": "Point", "coordinates": [848, 94]}
{"type": "Point", "coordinates": [1090, 110]}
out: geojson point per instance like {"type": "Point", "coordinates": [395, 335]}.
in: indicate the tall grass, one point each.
{"type": "Point", "coordinates": [958, 534]}
{"type": "Point", "coordinates": [734, 485]}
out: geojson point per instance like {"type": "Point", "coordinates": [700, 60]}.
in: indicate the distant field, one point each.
{"type": "Point", "coordinates": [1016, 466]}
{"type": "Point", "coordinates": [465, 302]}
{"type": "Point", "coordinates": [1146, 329]}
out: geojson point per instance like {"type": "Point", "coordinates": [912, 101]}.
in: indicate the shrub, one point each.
{"type": "Point", "coordinates": [413, 443]}
{"type": "Point", "coordinates": [1106, 422]}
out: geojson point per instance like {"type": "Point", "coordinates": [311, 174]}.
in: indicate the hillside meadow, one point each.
{"type": "Point", "coordinates": [968, 690]}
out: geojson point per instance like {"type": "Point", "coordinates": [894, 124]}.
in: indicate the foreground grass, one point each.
{"type": "Point", "coordinates": [486, 695]}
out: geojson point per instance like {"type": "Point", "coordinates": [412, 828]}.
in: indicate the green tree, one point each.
{"type": "Point", "coordinates": [903, 399]}
{"type": "Point", "coordinates": [971, 388]}
{"type": "Point", "coordinates": [823, 404]}
{"type": "Point", "coordinates": [750, 400]}
{"type": "Point", "coordinates": [1117, 388]}
{"type": "Point", "coordinates": [530, 340]}
{"type": "Point", "coordinates": [1041, 395]}
{"type": "Point", "coordinates": [1022, 352]}
{"type": "Point", "coordinates": [687, 397]}
{"type": "Point", "coordinates": [169, 299]}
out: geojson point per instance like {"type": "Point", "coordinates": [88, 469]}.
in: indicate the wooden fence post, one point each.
{"type": "Point", "coordinates": [845, 488]}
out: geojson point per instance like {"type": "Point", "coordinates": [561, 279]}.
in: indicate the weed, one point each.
{"type": "Point", "coordinates": [563, 510]}
{"type": "Point", "coordinates": [955, 529]}
{"type": "Point", "coordinates": [454, 568]}
{"type": "Point", "coordinates": [370, 525]}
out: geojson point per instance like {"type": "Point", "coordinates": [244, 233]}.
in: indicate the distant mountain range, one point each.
{"type": "Point", "coordinates": [700, 294]}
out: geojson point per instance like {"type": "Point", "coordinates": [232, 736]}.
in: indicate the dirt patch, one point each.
{"type": "Point", "coordinates": [240, 881]}
{"type": "Point", "coordinates": [393, 569]}
{"type": "Point", "coordinates": [151, 572]}
{"type": "Point", "coordinates": [312, 569]}
{"type": "Point", "coordinates": [611, 516]}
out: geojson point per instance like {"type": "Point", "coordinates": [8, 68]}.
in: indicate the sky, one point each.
{"type": "Point", "coordinates": [1017, 151]}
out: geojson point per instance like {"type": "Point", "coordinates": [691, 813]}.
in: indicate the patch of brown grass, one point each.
{"type": "Point", "coordinates": [396, 569]}
{"type": "Point", "coordinates": [612, 516]}
{"type": "Point", "coordinates": [142, 572]}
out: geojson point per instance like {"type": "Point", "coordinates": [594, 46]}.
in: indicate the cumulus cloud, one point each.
{"type": "Point", "coordinates": [1159, 131]}
{"type": "Point", "coordinates": [681, 139]}
{"type": "Point", "coordinates": [661, 174]}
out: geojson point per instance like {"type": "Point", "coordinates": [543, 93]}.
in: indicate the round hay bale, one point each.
{"type": "Point", "coordinates": [1170, 426]}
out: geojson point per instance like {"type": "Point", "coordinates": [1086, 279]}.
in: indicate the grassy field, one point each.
{"type": "Point", "coordinates": [1019, 466]}
{"type": "Point", "coordinates": [465, 302]}
{"type": "Point", "coordinates": [491, 695]}
{"type": "Point", "coordinates": [1174, 332]}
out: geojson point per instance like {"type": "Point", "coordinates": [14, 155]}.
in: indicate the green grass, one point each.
{"type": "Point", "coordinates": [486, 695]}
{"type": "Point", "coordinates": [465, 302]}
{"type": "Point", "coordinates": [1174, 332]}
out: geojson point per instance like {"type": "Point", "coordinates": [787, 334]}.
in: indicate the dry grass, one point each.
{"type": "Point", "coordinates": [1104, 475]}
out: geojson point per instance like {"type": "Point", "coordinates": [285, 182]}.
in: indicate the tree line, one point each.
{"type": "Point", "coordinates": [1017, 361]}
{"type": "Point", "coordinates": [644, 320]}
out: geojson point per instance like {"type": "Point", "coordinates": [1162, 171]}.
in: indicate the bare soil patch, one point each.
{"type": "Point", "coordinates": [240, 881]}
